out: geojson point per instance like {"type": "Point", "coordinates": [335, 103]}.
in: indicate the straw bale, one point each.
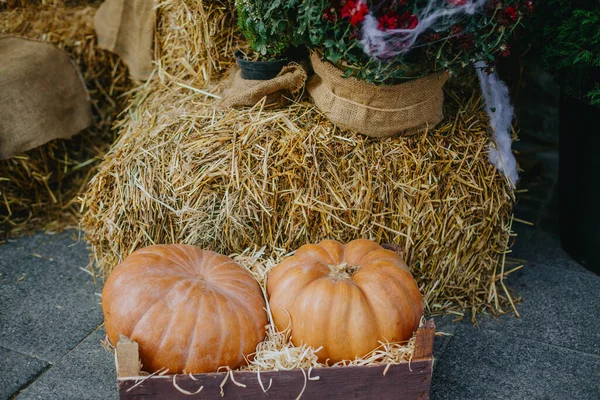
{"type": "Point", "coordinates": [184, 171]}
{"type": "Point", "coordinates": [39, 188]}
{"type": "Point", "coordinates": [196, 40]}
{"type": "Point", "coordinates": [194, 44]}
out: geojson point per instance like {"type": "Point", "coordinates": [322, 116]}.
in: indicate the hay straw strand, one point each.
{"type": "Point", "coordinates": [186, 392]}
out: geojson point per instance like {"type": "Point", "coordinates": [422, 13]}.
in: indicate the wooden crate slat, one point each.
{"type": "Point", "coordinates": [424, 341]}
{"type": "Point", "coordinates": [127, 357]}
{"type": "Point", "coordinates": [405, 381]}
{"type": "Point", "coordinates": [401, 381]}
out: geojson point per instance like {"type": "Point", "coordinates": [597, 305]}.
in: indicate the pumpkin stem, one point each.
{"type": "Point", "coordinates": [343, 270]}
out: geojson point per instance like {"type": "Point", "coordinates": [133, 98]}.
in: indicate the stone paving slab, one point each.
{"type": "Point", "coordinates": [560, 299]}
{"type": "Point", "coordinates": [86, 373]}
{"type": "Point", "coordinates": [445, 330]}
{"type": "Point", "coordinates": [16, 370]}
{"type": "Point", "coordinates": [541, 249]}
{"type": "Point", "coordinates": [48, 303]}
{"type": "Point", "coordinates": [66, 247]}
{"type": "Point", "coordinates": [479, 364]}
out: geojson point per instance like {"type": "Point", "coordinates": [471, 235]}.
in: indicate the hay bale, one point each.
{"type": "Point", "coordinates": [195, 40]}
{"type": "Point", "coordinates": [186, 172]}
{"type": "Point", "coordinates": [39, 188]}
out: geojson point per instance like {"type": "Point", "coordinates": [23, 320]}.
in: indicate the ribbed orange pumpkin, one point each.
{"type": "Point", "coordinates": [344, 298]}
{"type": "Point", "coordinates": [189, 309]}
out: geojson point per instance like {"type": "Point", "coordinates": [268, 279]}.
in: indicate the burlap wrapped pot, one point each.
{"type": "Point", "coordinates": [242, 92]}
{"type": "Point", "coordinates": [376, 111]}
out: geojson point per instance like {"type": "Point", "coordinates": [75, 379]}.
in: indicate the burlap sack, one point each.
{"type": "Point", "coordinates": [42, 95]}
{"type": "Point", "coordinates": [376, 111]}
{"type": "Point", "coordinates": [126, 27]}
{"type": "Point", "coordinates": [242, 92]}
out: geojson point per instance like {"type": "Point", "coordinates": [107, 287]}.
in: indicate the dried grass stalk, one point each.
{"type": "Point", "coordinates": [39, 188]}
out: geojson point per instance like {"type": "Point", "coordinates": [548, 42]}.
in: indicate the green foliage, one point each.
{"type": "Point", "coordinates": [572, 38]}
{"type": "Point", "coordinates": [322, 24]}
{"type": "Point", "coordinates": [594, 95]}
{"type": "Point", "coordinates": [267, 25]}
{"type": "Point", "coordinates": [333, 27]}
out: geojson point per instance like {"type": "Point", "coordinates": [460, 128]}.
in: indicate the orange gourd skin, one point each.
{"type": "Point", "coordinates": [190, 310]}
{"type": "Point", "coordinates": [346, 315]}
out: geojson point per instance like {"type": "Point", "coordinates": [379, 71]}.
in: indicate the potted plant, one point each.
{"type": "Point", "coordinates": [571, 34]}
{"type": "Point", "coordinates": [267, 25]}
{"type": "Point", "coordinates": [380, 65]}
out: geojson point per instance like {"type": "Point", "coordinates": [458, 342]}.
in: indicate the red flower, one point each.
{"type": "Point", "coordinates": [388, 21]}
{"type": "Point", "coordinates": [432, 37]}
{"type": "Point", "coordinates": [408, 21]}
{"type": "Point", "coordinates": [330, 15]}
{"type": "Point", "coordinates": [467, 41]}
{"type": "Point", "coordinates": [504, 50]}
{"type": "Point", "coordinates": [355, 10]}
{"type": "Point", "coordinates": [528, 5]}
{"type": "Point", "coordinates": [511, 13]}
{"type": "Point", "coordinates": [456, 29]}
{"type": "Point", "coordinates": [457, 2]}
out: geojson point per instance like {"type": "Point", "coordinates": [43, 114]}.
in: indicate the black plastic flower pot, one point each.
{"type": "Point", "coordinates": [579, 181]}
{"type": "Point", "coordinates": [259, 70]}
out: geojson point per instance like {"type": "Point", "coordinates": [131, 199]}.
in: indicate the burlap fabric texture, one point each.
{"type": "Point", "coordinates": [42, 95]}
{"type": "Point", "coordinates": [240, 92]}
{"type": "Point", "coordinates": [126, 28]}
{"type": "Point", "coordinates": [376, 110]}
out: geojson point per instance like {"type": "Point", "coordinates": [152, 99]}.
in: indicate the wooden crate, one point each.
{"type": "Point", "coordinates": [401, 381]}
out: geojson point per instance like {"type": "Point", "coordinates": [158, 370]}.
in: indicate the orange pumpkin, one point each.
{"type": "Point", "coordinates": [344, 299]}
{"type": "Point", "coordinates": [189, 309]}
